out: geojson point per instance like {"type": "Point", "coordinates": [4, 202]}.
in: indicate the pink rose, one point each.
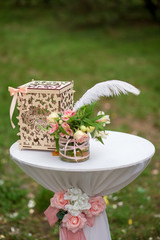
{"type": "Point", "coordinates": [67, 114]}
{"type": "Point", "coordinates": [98, 205]}
{"type": "Point", "coordinates": [67, 128]}
{"type": "Point", "coordinates": [80, 136]}
{"type": "Point", "coordinates": [54, 127]}
{"type": "Point", "coordinates": [58, 200]}
{"type": "Point", "coordinates": [73, 223]}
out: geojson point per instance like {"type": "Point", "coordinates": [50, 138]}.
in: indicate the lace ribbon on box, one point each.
{"type": "Point", "coordinates": [14, 92]}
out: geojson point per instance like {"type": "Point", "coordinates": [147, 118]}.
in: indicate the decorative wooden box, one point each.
{"type": "Point", "coordinates": [42, 98]}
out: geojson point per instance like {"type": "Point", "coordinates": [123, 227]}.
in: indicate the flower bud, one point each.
{"type": "Point", "coordinates": [83, 128]}
{"type": "Point", "coordinates": [90, 129]}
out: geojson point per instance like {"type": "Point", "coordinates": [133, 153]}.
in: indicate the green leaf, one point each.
{"type": "Point", "coordinates": [60, 115]}
{"type": "Point", "coordinates": [100, 139]}
{"type": "Point", "coordinates": [61, 129]}
{"type": "Point", "coordinates": [97, 117]}
{"type": "Point", "coordinates": [61, 214]}
{"type": "Point", "coordinates": [57, 143]}
{"type": "Point", "coordinates": [42, 128]}
{"type": "Point", "coordinates": [92, 134]}
{"type": "Point", "coordinates": [85, 111]}
{"type": "Point", "coordinates": [98, 125]}
{"type": "Point", "coordinates": [88, 122]}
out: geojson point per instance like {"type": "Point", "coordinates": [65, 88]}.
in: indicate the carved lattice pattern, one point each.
{"type": "Point", "coordinates": [35, 106]}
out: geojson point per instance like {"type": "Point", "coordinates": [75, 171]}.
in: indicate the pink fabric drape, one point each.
{"type": "Point", "coordinates": [51, 214]}
{"type": "Point", "coordinates": [69, 235]}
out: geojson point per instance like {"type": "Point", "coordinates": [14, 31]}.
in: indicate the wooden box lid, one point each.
{"type": "Point", "coordinates": [46, 85]}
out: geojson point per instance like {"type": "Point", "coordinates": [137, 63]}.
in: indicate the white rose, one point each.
{"type": "Point", "coordinates": [78, 201]}
{"type": "Point", "coordinates": [84, 205]}
{"type": "Point", "coordinates": [75, 191]}
{"type": "Point", "coordinates": [74, 209]}
{"type": "Point", "coordinates": [74, 212]}
{"type": "Point", "coordinates": [72, 194]}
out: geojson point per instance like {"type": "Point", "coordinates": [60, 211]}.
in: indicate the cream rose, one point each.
{"type": "Point", "coordinates": [80, 136]}
{"type": "Point", "coordinates": [52, 117]}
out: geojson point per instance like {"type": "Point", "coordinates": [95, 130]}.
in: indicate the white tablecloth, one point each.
{"type": "Point", "coordinates": [111, 167]}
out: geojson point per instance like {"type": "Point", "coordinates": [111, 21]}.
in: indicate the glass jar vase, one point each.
{"type": "Point", "coordinates": [71, 151]}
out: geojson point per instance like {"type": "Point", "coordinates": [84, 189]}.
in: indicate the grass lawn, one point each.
{"type": "Point", "coordinates": [34, 45]}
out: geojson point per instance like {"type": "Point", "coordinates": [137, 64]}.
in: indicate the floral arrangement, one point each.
{"type": "Point", "coordinates": [77, 125]}
{"type": "Point", "coordinates": [73, 209]}
{"type": "Point", "coordinates": [71, 129]}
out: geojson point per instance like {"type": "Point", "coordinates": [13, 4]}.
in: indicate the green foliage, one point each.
{"type": "Point", "coordinates": [12, 197]}
{"type": "Point", "coordinates": [42, 199]}
{"type": "Point", "coordinates": [83, 117]}
{"type": "Point", "coordinates": [100, 139]}
{"type": "Point", "coordinates": [61, 214]}
{"type": "Point", "coordinates": [86, 111]}
{"type": "Point", "coordinates": [57, 142]}
{"type": "Point", "coordinates": [92, 13]}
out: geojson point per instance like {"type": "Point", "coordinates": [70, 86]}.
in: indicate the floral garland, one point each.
{"type": "Point", "coordinates": [74, 210]}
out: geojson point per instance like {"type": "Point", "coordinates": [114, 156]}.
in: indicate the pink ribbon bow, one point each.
{"type": "Point", "coordinates": [51, 214]}
{"type": "Point", "coordinates": [14, 92]}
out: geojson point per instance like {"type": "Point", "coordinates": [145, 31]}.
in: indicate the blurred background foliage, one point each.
{"type": "Point", "coordinates": [89, 13]}
{"type": "Point", "coordinates": [87, 41]}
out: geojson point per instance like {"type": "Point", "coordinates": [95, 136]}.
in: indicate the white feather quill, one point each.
{"type": "Point", "coordinates": [107, 89]}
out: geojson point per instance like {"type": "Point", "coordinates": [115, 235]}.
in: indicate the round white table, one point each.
{"type": "Point", "coordinates": [110, 167]}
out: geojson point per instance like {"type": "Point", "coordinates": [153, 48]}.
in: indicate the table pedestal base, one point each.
{"type": "Point", "coordinates": [100, 230]}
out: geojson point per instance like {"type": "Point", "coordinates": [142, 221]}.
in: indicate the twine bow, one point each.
{"type": "Point", "coordinates": [14, 92]}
